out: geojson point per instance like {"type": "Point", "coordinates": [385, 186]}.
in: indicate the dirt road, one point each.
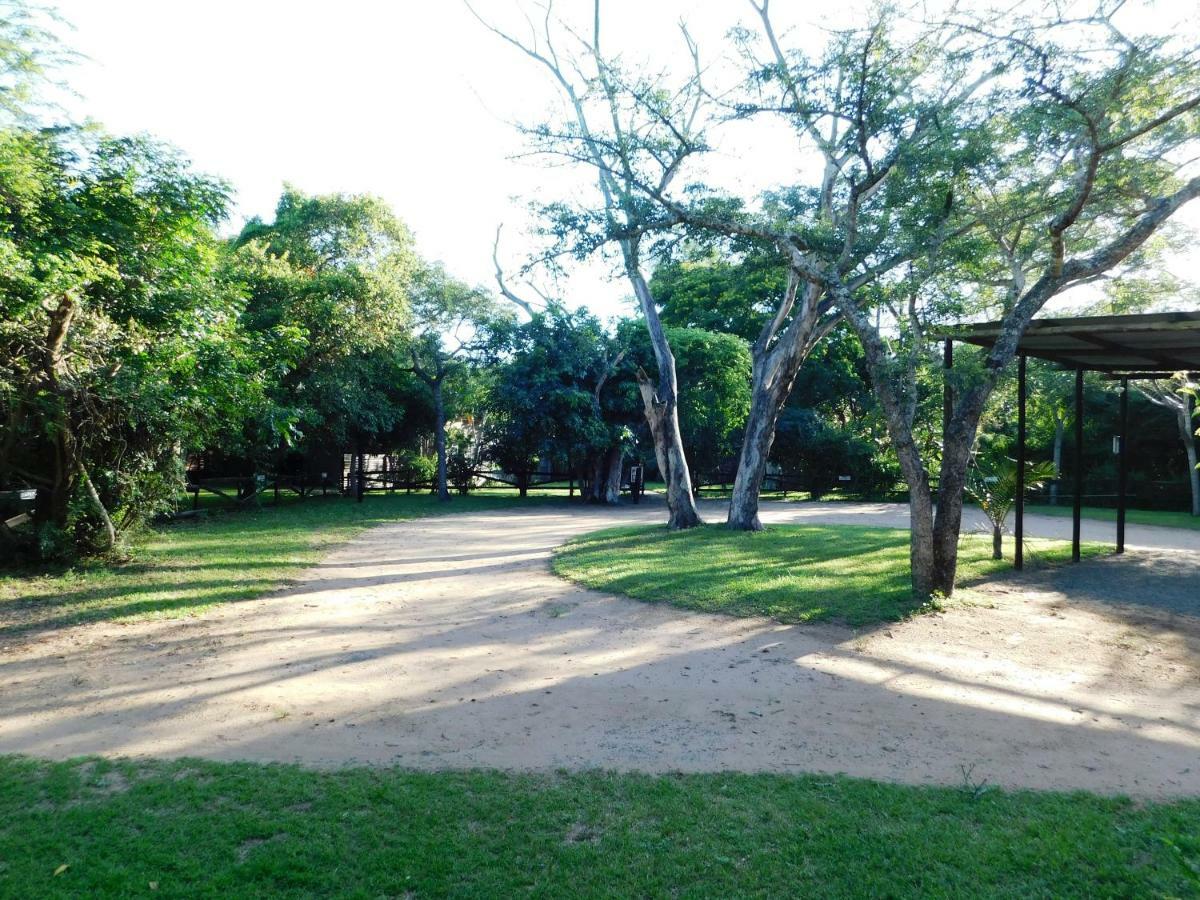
{"type": "Point", "coordinates": [447, 642]}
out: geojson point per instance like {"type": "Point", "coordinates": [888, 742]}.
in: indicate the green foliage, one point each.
{"type": "Point", "coordinates": [549, 395]}
{"type": "Point", "coordinates": [415, 468]}
{"type": "Point", "coordinates": [714, 294]}
{"type": "Point", "coordinates": [118, 334]}
{"type": "Point", "coordinates": [993, 485]}
{"type": "Point", "coordinates": [714, 389]}
{"type": "Point", "coordinates": [818, 453]}
{"type": "Point", "coordinates": [329, 286]}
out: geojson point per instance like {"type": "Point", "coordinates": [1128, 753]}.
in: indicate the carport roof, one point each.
{"type": "Point", "coordinates": [1147, 345]}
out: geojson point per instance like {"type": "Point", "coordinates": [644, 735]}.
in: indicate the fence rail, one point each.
{"type": "Point", "coordinates": [246, 489]}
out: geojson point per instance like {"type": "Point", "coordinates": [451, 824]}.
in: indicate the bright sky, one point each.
{"type": "Point", "coordinates": [412, 101]}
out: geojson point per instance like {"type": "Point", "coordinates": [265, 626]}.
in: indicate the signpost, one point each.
{"type": "Point", "coordinates": [637, 483]}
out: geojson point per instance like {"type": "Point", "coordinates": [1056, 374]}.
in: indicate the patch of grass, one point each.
{"type": "Point", "coordinates": [1162, 518]}
{"type": "Point", "coordinates": [188, 566]}
{"type": "Point", "coordinates": [792, 573]}
{"type": "Point", "coordinates": [194, 828]}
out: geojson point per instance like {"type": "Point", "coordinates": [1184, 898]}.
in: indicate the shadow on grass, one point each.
{"type": "Point", "coordinates": [192, 564]}
{"type": "Point", "coordinates": [857, 575]}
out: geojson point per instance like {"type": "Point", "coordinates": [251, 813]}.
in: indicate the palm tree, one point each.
{"type": "Point", "coordinates": [994, 488]}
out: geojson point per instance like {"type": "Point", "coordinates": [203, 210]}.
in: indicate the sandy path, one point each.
{"type": "Point", "coordinates": [447, 643]}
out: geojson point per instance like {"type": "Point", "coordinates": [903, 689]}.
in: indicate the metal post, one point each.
{"type": "Point", "coordinates": [1077, 511]}
{"type": "Point", "coordinates": [1019, 536]}
{"type": "Point", "coordinates": [1123, 466]}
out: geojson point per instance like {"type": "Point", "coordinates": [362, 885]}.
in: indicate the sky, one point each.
{"type": "Point", "coordinates": [411, 100]}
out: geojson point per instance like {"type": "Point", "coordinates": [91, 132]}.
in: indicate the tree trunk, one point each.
{"type": "Point", "coordinates": [439, 432]}
{"type": "Point", "coordinates": [604, 485]}
{"type": "Point", "coordinates": [1059, 432]}
{"type": "Point", "coordinates": [772, 378]}
{"type": "Point", "coordinates": [947, 525]}
{"type": "Point", "coordinates": [681, 504]}
{"type": "Point", "coordinates": [1189, 445]}
{"type": "Point", "coordinates": [110, 531]}
{"type": "Point", "coordinates": [920, 551]}
{"type": "Point", "coordinates": [767, 397]}
{"type": "Point", "coordinates": [612, 487]}
{"type": "Point", "coordinates": [654, 422]}
{"type": "Point", "coordinates": [997, 542]}
{"type": "Point", "coordinates": [53, 502]}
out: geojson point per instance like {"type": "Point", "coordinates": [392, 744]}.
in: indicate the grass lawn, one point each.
{"type": "Point", "coordinates": [1165, 519]}
{"type": "Point", "coordinates": [227, 556]}
{"type": "Point", "coordinates": [191, 828]}
{"type": "Point", "coordinates": [793, 573]}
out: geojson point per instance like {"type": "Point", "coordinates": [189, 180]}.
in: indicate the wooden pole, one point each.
{"type": "Point", "coordinates": [1077, 510]}
{"type": "Point", "coordinates": [1019, 535]}
{"type": "Point", "coordinates": [1123, 466]}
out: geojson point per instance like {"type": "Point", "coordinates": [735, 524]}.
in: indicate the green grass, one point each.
{"type": "Point", "coordinates": [1163, 518]}
{"type": "Point", "coordinates": [192, 828]}
{"type": "Point", "coordinates": [793, 573]}
{"type": "Point", "coordinates": [228, 556]}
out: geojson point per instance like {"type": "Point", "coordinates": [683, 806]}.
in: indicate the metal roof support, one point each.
{"type": "Point", "coordinates": [1077, 510]}
{"type": "Point", "coordinates": [1123, 466]}
{"type": "Point", "coordinates": [1019, 536]}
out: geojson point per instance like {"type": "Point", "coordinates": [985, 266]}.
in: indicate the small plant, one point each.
{"type": "Point", "coordinates": [994, 487]}
{"type": "Point", "coordinates": [972, 788]}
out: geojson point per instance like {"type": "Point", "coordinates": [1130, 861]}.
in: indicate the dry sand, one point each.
{"type": "Point", "coordinates": [447, 643]}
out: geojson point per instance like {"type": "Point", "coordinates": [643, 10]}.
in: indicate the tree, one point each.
{"type": "Point", "coordinates": [1177, 397]}
{"type": "Point", "coordinates": [118, 342]}
{"type": "Point", "coordinates": [966, 170]}
{"type": "Point", "coordinates": [549, 400]}
{"type": "Point", "coordinates": [328, 284]}
{"type": "Point", "coordinates": [623, 145]}
{"type": "Point", "coordinates": [448, 316]}
{"type": "Point", "coordinates": [994, 487]}
{"type": "Point", "coordinates": [1086, 173]}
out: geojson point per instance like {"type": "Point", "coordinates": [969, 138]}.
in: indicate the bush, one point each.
{"type": "Point", "coordinates": [818, 454]}
{"type": "Point", "coordinates": [415, 469]}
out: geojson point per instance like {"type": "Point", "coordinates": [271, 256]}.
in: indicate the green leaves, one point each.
{"type": "Point", "coordinates": [994, 485]}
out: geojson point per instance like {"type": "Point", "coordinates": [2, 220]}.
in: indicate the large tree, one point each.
{"type": "Point", "coordinates": [119, 339]}
{"type": "Point", "coordinates": [623, 145]}
{"type": "Point", "coordinates": [328, 284]}
{"type": "Point", "coordinates": [448, 319]}
{"type": "Point", "coordinates": [967, 167]}
{"type": "Point", "coordinates": [552, 398]}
